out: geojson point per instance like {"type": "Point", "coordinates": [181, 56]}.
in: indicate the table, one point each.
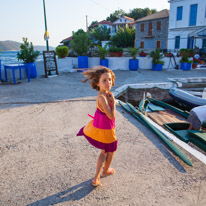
{"type": "Point", "coordinates": [14, 67]}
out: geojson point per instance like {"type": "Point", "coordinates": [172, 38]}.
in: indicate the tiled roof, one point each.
{"type": "Point", "coordinates": [102, 22]}
{"type": "Point", "coordinates": [158, 15]}
{"type": "Point", "coordinates": [129, 18]}
{"type": "Point", "coordinates": [67, 39]}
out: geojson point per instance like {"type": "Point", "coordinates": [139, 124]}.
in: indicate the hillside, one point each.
{"type": "Point", "coordinates": [13, 46]}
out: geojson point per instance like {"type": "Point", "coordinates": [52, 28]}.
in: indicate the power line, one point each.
{"type": "Point", "coordinates": [100, 5]}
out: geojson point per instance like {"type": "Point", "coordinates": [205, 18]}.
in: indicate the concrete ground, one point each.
{"type": "Point", "coordinates": [44, 163]}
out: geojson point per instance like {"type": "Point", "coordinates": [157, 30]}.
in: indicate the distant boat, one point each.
{"type": "Point", "coordinates": [188, 98]}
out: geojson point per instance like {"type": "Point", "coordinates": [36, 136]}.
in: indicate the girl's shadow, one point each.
{"type": "Point", "coordinates": [74, 193]}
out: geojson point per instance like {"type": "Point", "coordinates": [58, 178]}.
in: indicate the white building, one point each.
{"type": "Point", "coordinates": [123, 22]}
{"type": "Point", "coordinates": [187, 24]}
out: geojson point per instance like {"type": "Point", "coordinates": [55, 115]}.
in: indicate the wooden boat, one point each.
{"type": "Point", "coordinates": [187, 98]}
{"type": "Point", "coordinates": [165, 116]}
{"type": "Point", "coordinates": [138, 115]}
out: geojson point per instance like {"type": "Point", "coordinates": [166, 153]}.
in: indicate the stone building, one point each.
{"type": "Point", "coordinates": [152, 31]}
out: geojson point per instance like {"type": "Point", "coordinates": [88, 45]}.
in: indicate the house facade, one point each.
{"type": "Point", "coordinates": [187, 24]}
{"type": "Point", "coordinates": [123, 22]}
{"type": "Point", "coordinates": [105, 24]}
{"type": "Point", "coordinates": [152, 31]}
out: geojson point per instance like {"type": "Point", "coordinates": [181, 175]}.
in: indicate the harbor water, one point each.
{"type": "Point", "coordinates": [10, 57]}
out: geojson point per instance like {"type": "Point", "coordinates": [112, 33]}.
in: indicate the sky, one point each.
{"type": "Point", "coordinates": [25, 18]}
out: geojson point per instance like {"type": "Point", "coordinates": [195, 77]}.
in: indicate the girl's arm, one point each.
{"type": "Point", "coordinates": [104, 103]}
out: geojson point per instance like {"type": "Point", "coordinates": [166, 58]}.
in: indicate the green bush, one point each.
{"type": "Point", "coordinates": [185, 54]}
{"type": "Point", "coordinates": [80, 42]}
{"type": "Point", "coordinates": [27, 53]}
{"type": "Point", "coordinates": [62, 51]}
{"type": "Point", "coordinates": [115, 49]}
{"type": "Point", "coordinates": [156, 57]}
{"type": "Point", "coordinates": [133, 52]}
{"type": "Point", "coordinates": [123, 38]}
{"type": "Point", "coordinates": [102, 51]}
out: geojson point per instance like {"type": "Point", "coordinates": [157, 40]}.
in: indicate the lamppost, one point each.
{"type": "Point", "coordinates": [46, 34]}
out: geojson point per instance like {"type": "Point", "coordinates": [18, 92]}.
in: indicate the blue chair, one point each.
{"type": "Point", "coordinates": [14, 67]}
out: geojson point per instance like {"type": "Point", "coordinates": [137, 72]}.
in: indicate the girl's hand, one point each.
{"type": "Point", "coordinates": [110, 97]}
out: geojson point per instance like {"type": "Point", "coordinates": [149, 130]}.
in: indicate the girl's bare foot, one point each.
{"type": "Point", "coordinates": [96, 183]}
{"type": "Point", "coordinates": [108, 172]}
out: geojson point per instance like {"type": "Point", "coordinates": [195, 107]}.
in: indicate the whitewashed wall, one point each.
{"type": "Point", "coordinates": [69, 64]}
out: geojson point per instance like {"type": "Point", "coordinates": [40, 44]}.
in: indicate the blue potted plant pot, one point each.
{"type": "Point", "coordinates": [157, 67]}
{"type": "Point", "coordinates": [82, 62]}
{"type": "Point", "coordinates": [133, 64]}
{"type": "Point", "coordinates": [104, 62]}
{"type": "Point", "coordinates": [32, 69]}
{"type": "Point", "coordinates": [185, 66]}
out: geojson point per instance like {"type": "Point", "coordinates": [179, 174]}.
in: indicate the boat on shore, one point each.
{"type": "Point", "coordinates": [171, 124]}
{"type": "Point", "coordinates": [139, 116]}
{"type": "Point", "coordinates": [188, 98]}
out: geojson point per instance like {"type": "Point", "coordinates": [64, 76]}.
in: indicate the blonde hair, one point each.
{"type": "Point", "coordinates": [94, 74]}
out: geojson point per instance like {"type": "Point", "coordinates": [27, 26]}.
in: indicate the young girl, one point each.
{"type": "Point", "coordinates": [100, 132]}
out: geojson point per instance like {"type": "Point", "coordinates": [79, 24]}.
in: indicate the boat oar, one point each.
{"type": "Point", "coordinates": [173, 147]}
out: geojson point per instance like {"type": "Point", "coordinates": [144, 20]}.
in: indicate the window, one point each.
{"type": "Point", "coordinates": [142, 27]}
{"type": "Point", "coordinates": [179, 13]}
{"type": "Point", "coordinates": [193, 15]}
{"type": "Point", "coordinates": [150, 29]}
{"type": "Point", "coordinates": [142, 44]}
{"type": "Point", "coordinates": [158, 44]}
{"type": "Point", "coordinates": [177, 42]}
{"type": "Point", "coordinates": [159, 26]}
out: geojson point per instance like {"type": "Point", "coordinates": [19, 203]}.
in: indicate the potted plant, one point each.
{"type": "Point", "coordinates": [142, 54]}
{"type": "Point", "coordinates": [80, 44]}
{"type": "Point", "coordinates": [134, 62]}
{"type": "Point", "coordinates": [115, 51]}
{"type": "Point", "coordinates": [28, 56]}
{"type": "Point", "coordinates": [185, 63]}
{"type": "Point", "coordinates": [102, 52]}
{"type": "Point", "coordinates": [62, 51]}
{"type": "Point", "coordinates": [156, 60]}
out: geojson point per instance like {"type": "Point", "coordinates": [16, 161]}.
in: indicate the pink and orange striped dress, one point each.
{"type": "Point", "coordinates": [100, 132]}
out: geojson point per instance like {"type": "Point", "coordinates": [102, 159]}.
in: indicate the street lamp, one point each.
{"type": "Point", "coordinates": [46, 34]}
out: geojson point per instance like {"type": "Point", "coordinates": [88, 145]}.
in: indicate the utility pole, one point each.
{"type": "Point", "coordinates": [86, 24]}
{"type": "Point", "coordinates": [46, 35]}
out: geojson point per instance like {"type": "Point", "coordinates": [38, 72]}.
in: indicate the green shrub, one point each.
{"type": "Point", "coordinates": [102, 51]}
{"type": "Point", "coordinates": [80, 42]}
{"type": "Point", "coordinates": [27, 53]}
{"type": "Point", "coordinates": [123, 38]}
{"type": "Point", "coordinates": [62, 51]}
{"type": "Point", "coordinates": [133, 52]}
{"type": "Point", "coordinates": [115, 49]}
{"type": "Point", "coordinates": [156, 57]}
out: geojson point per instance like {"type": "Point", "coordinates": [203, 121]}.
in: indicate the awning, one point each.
{"type": "Point", "coordinates": [198, 33]}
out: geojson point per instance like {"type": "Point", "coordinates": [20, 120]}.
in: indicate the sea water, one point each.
{"type": "Point", "coordinates": [10, 57]}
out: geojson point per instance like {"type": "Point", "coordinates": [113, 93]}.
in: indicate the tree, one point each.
{"type": "Point", "coordinates": [123, 38]}
{"type": "Point", "coordinates": [80, 42]}
{"type": "Point", "coordinates": [100, 34]}
{"type": "Point", "coordinates": [114, 16]}
{"type": "Point", "coordinates": [94, 22]}
{"type": "Point", "coordinates": [139, 13]}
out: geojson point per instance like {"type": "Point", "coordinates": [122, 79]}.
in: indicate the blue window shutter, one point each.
{"type": "Point", "coordinates": [193, 15]}
{"type": "Point", "coordinates": [177, 42]}
{"type": "Point", "coordinates": [179, 13]}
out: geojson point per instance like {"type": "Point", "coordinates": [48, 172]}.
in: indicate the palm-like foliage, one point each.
{"type": "Point", "coordinates": [133, 52]}
{"type": "Point", "coordinates": [156, 57]}
{"type": "Point", "coordinates": [102, 51]}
